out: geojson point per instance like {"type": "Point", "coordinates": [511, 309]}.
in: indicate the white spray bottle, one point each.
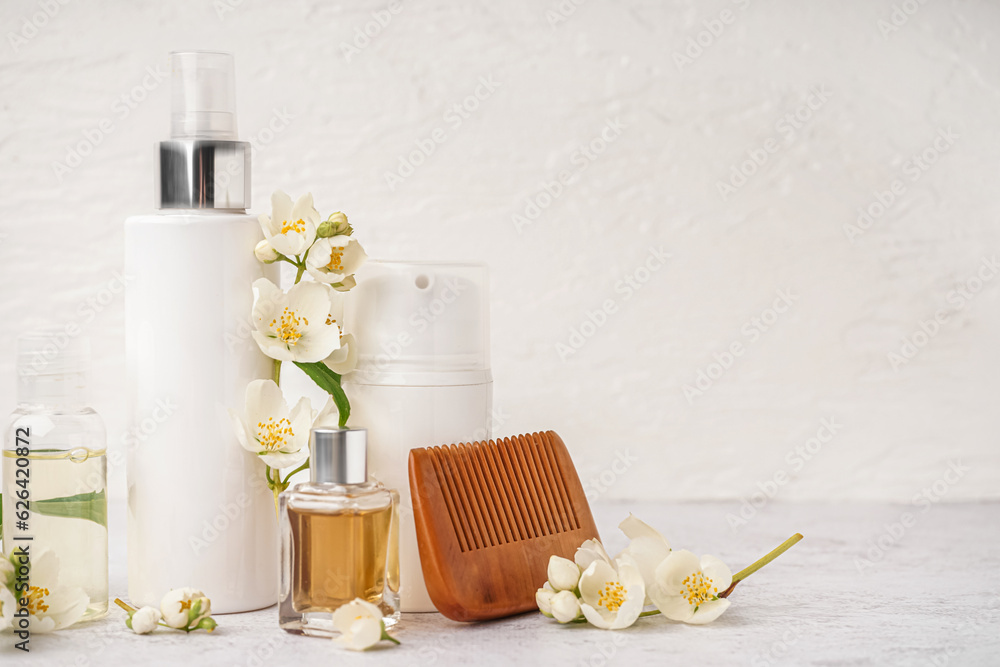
{"type": "Point", "coordinates": [199, 511]}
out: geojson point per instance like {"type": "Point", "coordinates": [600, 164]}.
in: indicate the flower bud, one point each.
{"type": "Point", "coordinates": [543, 598]}
{"type": "Point", "coordinates": [208, 624]}
{"type": "Point", "coordinates": [565, 606]}
{"type": "Point", "coordinates": [563, 573]}
{"type": "Point", "coordinates": [265, 252]}
{"type": "Point", "coordinates": [144, 621]}
{"type": "Point", "coordinates": [335, 225]}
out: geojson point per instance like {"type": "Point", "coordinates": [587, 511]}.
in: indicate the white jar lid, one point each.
{"type": "Point", "coordinates": [413, 319]}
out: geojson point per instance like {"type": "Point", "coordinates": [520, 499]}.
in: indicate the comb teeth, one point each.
{"type": "Point", "coordinates": [505, 491]}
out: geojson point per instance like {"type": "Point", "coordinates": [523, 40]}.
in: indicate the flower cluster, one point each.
{"type": "Point", "coordinates": [303, 325]}
{"type": "Point", "coordinates": [186, 609]}
{"type": "Point", "coordinates": [360, 625]}
{"type": "Point", "coordinates": [612, 593]}
{"type": "Point", "coordinates": [51, 605]}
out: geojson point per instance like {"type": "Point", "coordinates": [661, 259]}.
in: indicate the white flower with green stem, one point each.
{"type": "Point", "coordinates": [186, 609]}
{"type": "Point", "coordinates": [612, 593]}
{"type": "Point", "coordinates": [304, 326]}
{"type": "Point", "coordinates": [290, 230]}
{"type": "Point", "coordinates": [360, 625]}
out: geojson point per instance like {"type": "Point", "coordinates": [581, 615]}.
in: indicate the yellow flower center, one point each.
{"type": "Point", "coordinates": [186, 605]}
{"type": "Point", "coordinates": [36, 600]}
{"type": "Point", "coordinates": [698, 588]}
{"type": "Point", "coordinates": [271, 435]}
{"type": "Point", "coordinates": [298, 226]}
{"type": "Point", "coordinates": [336, 263]}
{"type": "Point", "coordinates": [612, 596]}
{"type": "Point", "coordinates": [287, 326]}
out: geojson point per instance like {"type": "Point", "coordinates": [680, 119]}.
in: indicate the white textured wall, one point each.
{"type": "Point", "coordinates": [550, 83]}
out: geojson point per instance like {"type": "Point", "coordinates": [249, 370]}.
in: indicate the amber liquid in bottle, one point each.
{"type": "Point", "coordinates": [338, 557]}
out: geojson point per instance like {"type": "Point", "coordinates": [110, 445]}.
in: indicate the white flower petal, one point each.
{"type": "Point", "coordinates": [239, 428]}
{"type": "Point", "coordinates": [590, 551]}
{"type": "Point", "coordinates": [272, 347]}
{"type": "Point", "coordinates": [675, 568]}
{"type": "Point", "coordinates": [281, 460]}
{"type": "Point", "coordinates": [594, 579]}
{"type": "Point", "coordinates": [264, 400]}
{"type": "Point", "coordinates": [594, 617]}
{"type": "Point", "coordinates": [363, 634]}
{"type": "Point", "coordinates": [635, 528]}
{"type": "Point", "coordinates": [304, 209]}
{"type": "Point", "coordinates": [670, 604]}
{"type": "Point", "coordinates": [648, 552]}
{"type": "Point", "coordinates": [717, 571]}
{"type": "Point", "coordinates": [281, 208]}
{"type": "Point", "coordinates": [709, 611]}
{"type": "Point", "coordinates": [359, 623]}
{"type": "Point", "coordinates": [344, 359]}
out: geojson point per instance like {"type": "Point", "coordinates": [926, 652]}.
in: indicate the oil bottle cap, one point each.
{"type": "Point", "coordinates": [338, 455]}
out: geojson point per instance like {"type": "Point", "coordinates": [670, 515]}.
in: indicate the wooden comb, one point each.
{"type": "Point", "coordinates": [488, 517]}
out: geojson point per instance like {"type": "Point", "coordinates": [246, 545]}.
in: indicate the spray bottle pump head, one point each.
{"type": "Point", "coordinates": [203, 95]}
{"type": "Point", "coordinates": [203, 165]}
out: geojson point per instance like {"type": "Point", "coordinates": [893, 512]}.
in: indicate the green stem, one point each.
{"type": "Point", "coordinates": [653, 612]}
{"type": "Point", "coordinates": [120, 603]}
{"type": "Point", "coordinates": [761, 562]}
{"type": "Point", "coordinates": [300, 468]}
{"type": "Point", "coordinates": [277, 372]}
{"type": "Point", "coordinates": [298, 275]}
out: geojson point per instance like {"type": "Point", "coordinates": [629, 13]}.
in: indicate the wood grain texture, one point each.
{"type": "Point", "coordinates": [488, 517]}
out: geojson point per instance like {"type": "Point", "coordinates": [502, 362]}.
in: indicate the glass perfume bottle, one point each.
{"type": "Point", "coordinates": [339, 537]}
{"type": "Point", "coordinates": [54, 472]}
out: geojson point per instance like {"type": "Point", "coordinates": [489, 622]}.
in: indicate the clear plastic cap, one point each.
{"type": "Point", "coordinates": [203, 95]}
{"type": "Point", "coordinates": [420, 323]}
{"type": "Point", "coordinates": [52, 365]}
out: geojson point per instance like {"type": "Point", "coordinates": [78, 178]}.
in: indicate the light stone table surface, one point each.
{"type": "Point", "coordinates": [860, 589]}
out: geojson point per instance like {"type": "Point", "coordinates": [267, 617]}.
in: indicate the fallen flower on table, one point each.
{"type": "Point", "coordinates": [687, 588]}
{"type": "Point", "coordinates": [144, 621]}
{"type": "Point", "coordinates": [360, 625]}
{"type": "Point", "coordinates": [186, 609]}
{"type": "Point", "coordinates": [610, 594]}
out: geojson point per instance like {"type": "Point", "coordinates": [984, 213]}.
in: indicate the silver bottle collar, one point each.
{"type": "Point", "coordinates": [203, 174]}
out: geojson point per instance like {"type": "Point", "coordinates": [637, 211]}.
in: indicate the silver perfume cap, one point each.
{"type": "Point", "coordinates": [203, 165]}
{"type": "Point", "coordinates": [338, 455]}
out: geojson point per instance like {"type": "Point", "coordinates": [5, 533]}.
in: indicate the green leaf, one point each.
{"type": "Point", "coordinates": [329, 382]}
{"type": "Point", "coordinates": [91, 506]}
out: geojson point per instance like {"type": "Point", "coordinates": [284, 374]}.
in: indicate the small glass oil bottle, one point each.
{"type": "Point", "coordinates": [339, 537]}
{"type": "Point", "coordinates": [54, 473]}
